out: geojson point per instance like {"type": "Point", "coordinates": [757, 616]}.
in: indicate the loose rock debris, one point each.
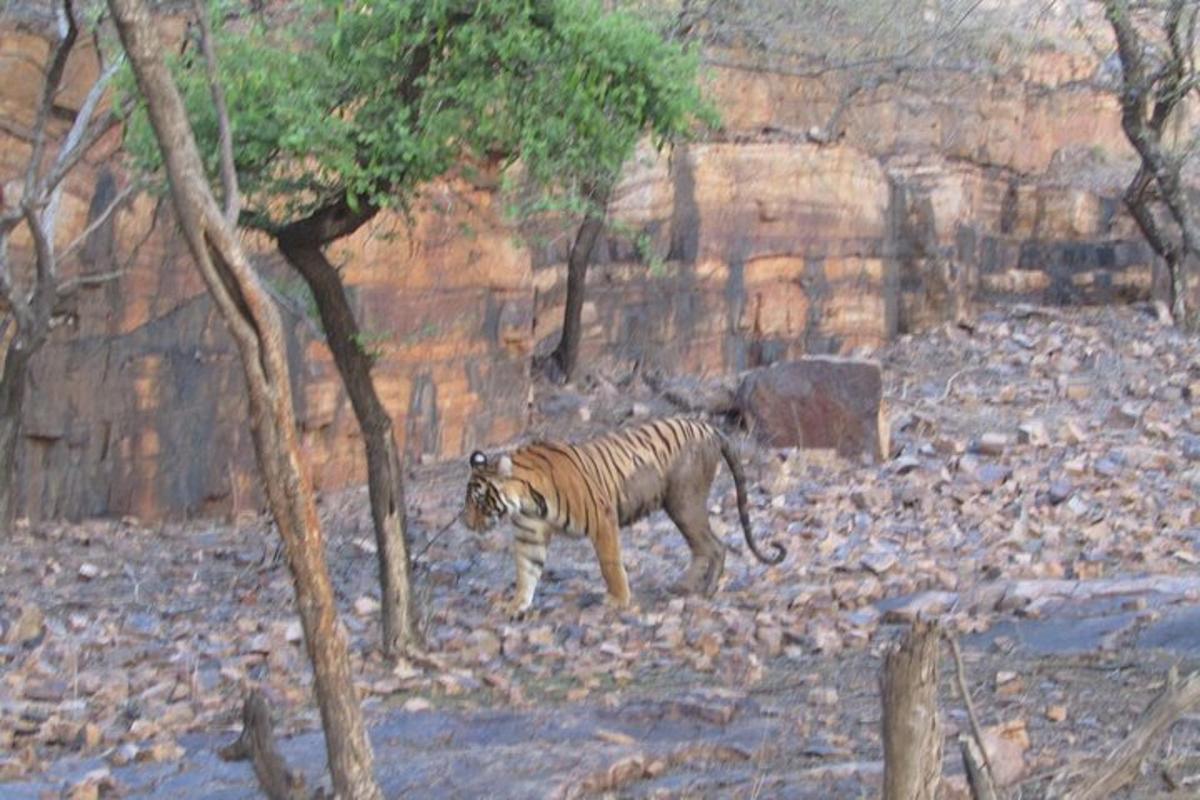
{"type": "Point", "coordinates": [1041, 463]}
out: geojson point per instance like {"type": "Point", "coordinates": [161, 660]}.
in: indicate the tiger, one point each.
{"type": "Point", "coordinates": [594, 488]}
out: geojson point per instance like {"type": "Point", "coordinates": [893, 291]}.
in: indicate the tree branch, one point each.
{"type": "Point", "coordinates": [229, 180]}
{"type": "Point", "coordinates": [44, 262]}
{"type": "Point", "coordinates": [1121, 765]}
{"type": "Point", "coordinates": [73, 144]}
{"type": "Point", "coordinates": [10, 128]}
{"type": "Point", "coordinates": [101, 218]}
{"type": "Point", "coordinates": [93, 135]}
{"type": "Point", "coordinates": [16, 305]}
{"type": "Point", "coordinates": [67, 32]}
{"type": "Point", "coordinates": [257, 744]}
{"type": "Point", "coordinates": [979, 765]}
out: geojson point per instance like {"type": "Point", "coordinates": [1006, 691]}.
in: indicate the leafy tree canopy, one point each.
{"type": "Point", "coordinates": [368, 99]}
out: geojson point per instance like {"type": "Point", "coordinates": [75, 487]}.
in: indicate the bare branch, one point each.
{"type": "Point", "coordinates": [77, 136]}
{"type": "Point", "coordinates": [93, 135]}
{"type": "Point", "coordinates": [67, 32]}
{"type": "Point", "coordinates": [1121, 765]}
{"type": "Point", "coordinates": [101, 218]}
{"type": "Point", "coordinates": [986, 778]}
{"type": "Point", "coordinates": [68, 289]}
{"type": "Point", "coordinates": [43, 247]}
{"type": "Point", "coordinates": [229, 181]}
{"type": "Point", "coordinates": [10, 128]}
{"type": "Point", "coordinates": [16, 305]}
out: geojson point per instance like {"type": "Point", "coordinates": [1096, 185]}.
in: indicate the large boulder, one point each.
{"type": "Point", "coordinates": [818, 402]}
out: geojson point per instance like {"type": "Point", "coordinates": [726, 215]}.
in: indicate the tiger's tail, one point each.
{"type": "Point", "coordinates": [739, 481]}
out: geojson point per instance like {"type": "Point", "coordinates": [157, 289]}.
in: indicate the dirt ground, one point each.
{"type": "Point", "coordinates": [1061, 549]}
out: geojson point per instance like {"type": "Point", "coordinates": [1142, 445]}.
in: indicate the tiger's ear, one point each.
{"type": "Point", "coordinates": [504, 466]}
{"type": "Point", "coordinates": [478, 460]}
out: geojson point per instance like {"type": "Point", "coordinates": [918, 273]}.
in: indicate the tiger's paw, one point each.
{"type": "Point", "coordinates": [619, 604]}
{"type": "Point", "coordinates": [516, 612]}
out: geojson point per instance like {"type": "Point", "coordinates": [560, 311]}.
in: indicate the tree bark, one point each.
{"type": "Point", "coordinates": [912, 735]}
{"type": "Point", "coordinates": [1149, 98]}
{"type": "Point", "coordinates": [301, 244]}
{"type": "Point", "coordinates": [254, 323]}
{"type": "Point", "coordinates": [257, 744]}
{"type": "Point", "coordinates": [12, 402]}
{"type": "Point", "coordinates": [566, 353]}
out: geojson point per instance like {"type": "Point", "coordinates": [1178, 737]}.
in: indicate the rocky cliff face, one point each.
{"type": "Point", "coordinates": [756, 247]}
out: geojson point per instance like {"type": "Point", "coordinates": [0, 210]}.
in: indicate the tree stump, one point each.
{"type": "Point", "coordinates": [912, 733]}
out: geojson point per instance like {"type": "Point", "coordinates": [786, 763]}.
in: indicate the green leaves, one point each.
{"type": "Point", "coordinates": [370, 99]}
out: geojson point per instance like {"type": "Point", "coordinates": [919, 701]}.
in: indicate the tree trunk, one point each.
{"type": "Point", "coordinates": [12, 402]}
{"type": "Point", "coordinates": [301, 246]}
{"type": "Point", "coordinates": [912, 735]}
{"type": "Point", "coordinates": [566, 354]}
{"type": "Point", "coordinates": [1149, 99]}
{"type": "Point", "coordinates": [254, 323]}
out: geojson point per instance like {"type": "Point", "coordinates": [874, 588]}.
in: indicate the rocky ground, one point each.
{"type": "Point", "coordinates": [1041, 502]}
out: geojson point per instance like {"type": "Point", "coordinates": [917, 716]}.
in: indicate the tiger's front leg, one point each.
{"type": "Point", "coordinates": [607, 543]}
{"type": "Point", "coordinates": [529, 549]}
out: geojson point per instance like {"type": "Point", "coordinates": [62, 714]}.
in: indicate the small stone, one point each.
{"type": "Point", "coordinates": [1008, 684]}
{"type": "Point", "coordinates": [124, 754]}
{"type": "Point", "coordinates": [1190, 446]}
{"type": "Point", "coordinates": [161, 751]}
{"type": "Point", "coordinates": [991, 444]}
{"type": "Point", "coordinates": [1005, 676]}
{"type": "Point", "coordinates": [710, 644]}
{"type": "Point", "coordinates": [771, 637]}
{"type": "Point", "coordinates": [1006, 745]}
{"type": "Point", "coordinates": [88, 571]}
{"type": "Point", "coordinates": [143, 729]}
{"type": "Point", "coordinates": [293, 633]}
{"type": "Point", "coordinates": [46, 691]}
{"type": "Point", "coordinates": [1076, 467]}
{"type": "Point", "coordinates": [92, 784]}
{"type": "Point", "coordinates": [948, 446]}
{"type": "Point", "coordinates": [1033, 432]}
{"type": "Point", "coordinates": [640, 410]}
{"type": "Point", "coordinates": [415, 704]}
{"type": "Point", "coordinates": [90, 736]}
{"type": "Point", "coordinates": [1073, 433]}
{"type": "Point", "coordinates": [879, 562]}
{"type": "Point", "coordinates": [823, 696]}
{"type": "Point", "coordinates": [366, 605]}
{"type": "Point", "coordinates": [1077, 390]}
{"type": "Point", "coordinates": [28, 627]}
{"type": "Point", "coordinates": [482, 645]}
{"type": "Point", "coordinates": [992, 475]}
{"type": "Point", "coordinates": [1059, 491]}
{"type": "Point", "coordinates": [1125, 415]}
{"type": "Point", "coordinates": [1056, 713]}
{"type": "Point", "coordinates": [541, 636]}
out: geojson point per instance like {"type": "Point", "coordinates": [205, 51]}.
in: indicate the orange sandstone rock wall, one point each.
{"type": "Point", "coordinates": [762, 251]}
{"type": "Point", "coordinates": [726, 254]}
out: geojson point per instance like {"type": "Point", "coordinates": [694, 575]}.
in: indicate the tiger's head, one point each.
{"type": "Point", "coordinates": [485, 503]}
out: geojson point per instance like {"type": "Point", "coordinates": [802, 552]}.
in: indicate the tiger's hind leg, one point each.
{"type": "Point", "coordinates": [686, 504]}
{"type": "Point", "coordinates": [708, 554]}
